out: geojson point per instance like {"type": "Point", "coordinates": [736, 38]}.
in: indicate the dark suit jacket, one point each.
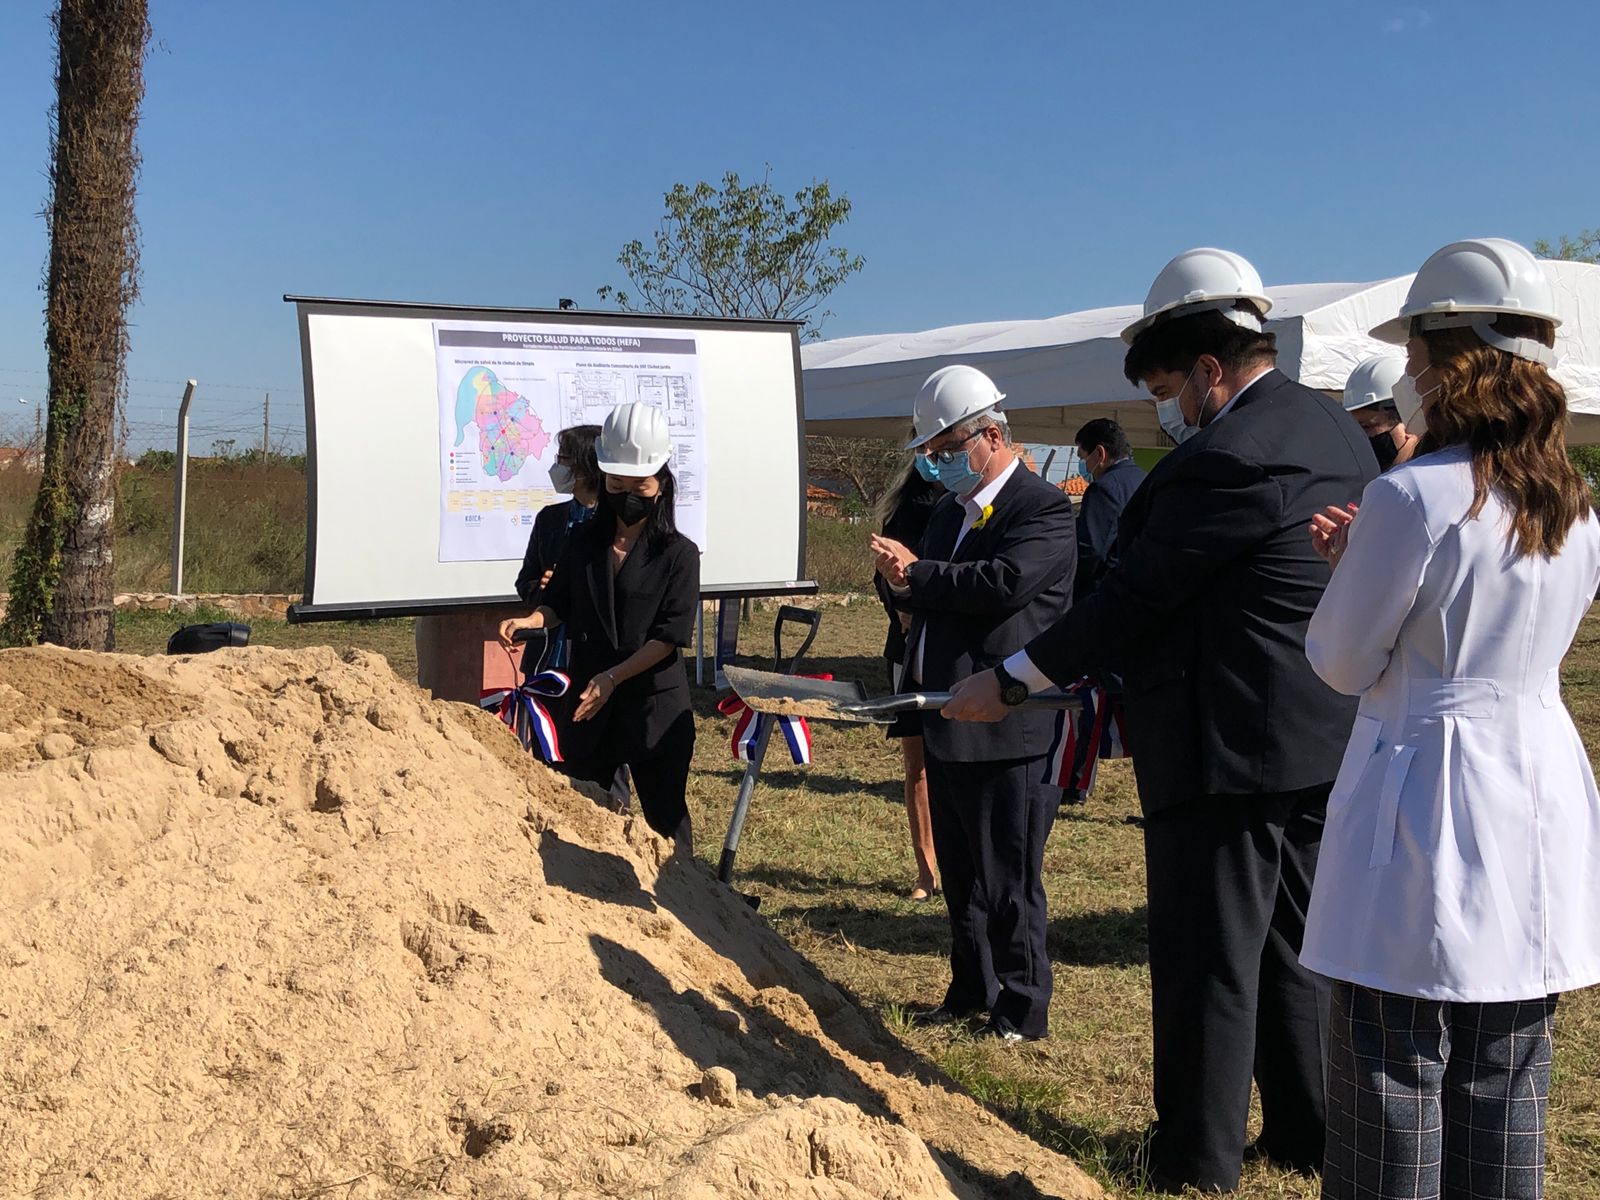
{"type": "Point", "coordinates": [1097, 523]}
{"type": "Point", "coordinates": [1007, 582]}
{"type": "Point", "coordinates": [653, 597]}
{"type": "Point", "coordinates": [1208, 604]}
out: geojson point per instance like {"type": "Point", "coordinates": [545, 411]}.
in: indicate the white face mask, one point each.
{"type": "Point", "coordinates": [1409, 401]}
{"type": "Point", "coordinates": [1170, 413]}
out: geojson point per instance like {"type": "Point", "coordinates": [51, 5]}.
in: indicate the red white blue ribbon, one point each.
{"type": "Point", "coordinates": [523, 711]}
{"type": "Point", "coordinates": [1083, 738]}
{"type": "Point", "coordinates": [748, 723]}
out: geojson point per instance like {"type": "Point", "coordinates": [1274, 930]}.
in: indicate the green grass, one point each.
{"type": "Point", "coordinates": [826, 848]}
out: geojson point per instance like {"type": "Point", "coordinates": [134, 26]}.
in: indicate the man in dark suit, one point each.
{"type": "Point", "coordinates": [1235, 740]}
{"type": "Point", "coordinates": [993, 571]}
{"type": "Point", "coordinates": [1107, 459]}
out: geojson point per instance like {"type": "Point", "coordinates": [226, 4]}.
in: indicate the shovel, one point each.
{"type": "Point", "coordinates": [847, 700]}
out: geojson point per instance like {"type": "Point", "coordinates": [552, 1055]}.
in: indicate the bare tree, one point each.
{"type": "Point", "coordinates": [869, 465]}
{"type": "Point", "coordinates": [61, 584]}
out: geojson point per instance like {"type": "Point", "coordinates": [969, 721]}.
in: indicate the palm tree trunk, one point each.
{"type": "Point", "coordinates": [63, 578]}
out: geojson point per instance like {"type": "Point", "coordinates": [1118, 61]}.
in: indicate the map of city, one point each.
{"type": "Point", "coordinates": [509, 431]}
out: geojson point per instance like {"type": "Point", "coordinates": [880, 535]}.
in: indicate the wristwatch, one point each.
{"type": "Point", "coordinates": [1012, 690]}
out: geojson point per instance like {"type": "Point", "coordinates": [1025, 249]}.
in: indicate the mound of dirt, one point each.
{"type": "Point", "coordinates": [276, 925]}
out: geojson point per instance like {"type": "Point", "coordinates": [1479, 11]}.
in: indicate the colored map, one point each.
{"type": "Point", "coordinates": [509, 431]}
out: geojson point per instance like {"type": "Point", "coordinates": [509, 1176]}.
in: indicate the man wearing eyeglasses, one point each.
{"type": "Point", "coordinates": [994, 569]}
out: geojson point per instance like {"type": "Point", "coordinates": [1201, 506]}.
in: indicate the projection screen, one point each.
{"type": "Point", "coordinates": [430, 431]}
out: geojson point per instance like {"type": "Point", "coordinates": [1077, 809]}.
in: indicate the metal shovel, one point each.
{"type": "Point", "coordinates": [847, 700]}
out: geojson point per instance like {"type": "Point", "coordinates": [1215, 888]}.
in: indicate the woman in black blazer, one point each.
{"type": "Point", "coordinates": [625, 591]}
{"type": "Point", "coordinates": [576, 474]}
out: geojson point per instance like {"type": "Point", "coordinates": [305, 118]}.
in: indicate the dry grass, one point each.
{"type": "Point", "coordinates": [245, 532]}
{"type": "Point", "coordinates": [827, 850]}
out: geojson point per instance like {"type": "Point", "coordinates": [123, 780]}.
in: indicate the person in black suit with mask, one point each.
{"type": "Point", "coordinates": [625, 590]}
{"type": "Point", "coordinates": [1106, 459]}
{"type": "Point", "coordinates": [1235, 740]}
{"type": "Point", "coordinates": [994, 569]}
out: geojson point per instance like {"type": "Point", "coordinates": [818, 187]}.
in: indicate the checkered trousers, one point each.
{"type": "Point", "coordinates": [1429, 1100]}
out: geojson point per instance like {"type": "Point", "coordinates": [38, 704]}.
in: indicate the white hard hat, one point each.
{"type": "Point", "coordinates": [1203, 280]}
{"type": "Point", "coordinates": [633, 441]}
{"type": "Point", "coordinates": [1373, 380]}
{"type": "Point", "coordinates": [948, 397]}
{"type": "Point", "coordinates": [1466, 283]}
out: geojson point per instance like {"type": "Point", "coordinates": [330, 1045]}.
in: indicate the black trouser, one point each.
{"type": "Point", "coordinates": [660, 774]}
{"type": "Point", "coordinates": [1228, 879]}
{"type": "Point", "coordinates": [990, 822]}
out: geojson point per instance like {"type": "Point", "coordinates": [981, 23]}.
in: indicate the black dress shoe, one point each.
{"type": "Point", "coordinates": [1001, 1030]}
{"type": "Point", "coordinates": [939, 1018]}
{"type": "Point", "coordinates": [1300, 1164]}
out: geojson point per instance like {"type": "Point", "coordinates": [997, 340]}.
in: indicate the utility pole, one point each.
{"type": "Point", "coordinates": [266, 426]}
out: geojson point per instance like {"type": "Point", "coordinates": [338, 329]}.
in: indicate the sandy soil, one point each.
{"type": "Point", "coordinates": [273, 924]}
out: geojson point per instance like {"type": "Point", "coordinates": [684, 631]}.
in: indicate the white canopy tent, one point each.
{"type": "Point", "coordinates": [1059, 372]}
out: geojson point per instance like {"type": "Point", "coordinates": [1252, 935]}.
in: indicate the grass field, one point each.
{"type": "Point", "coordinates": [826, 848]}
{"type": "Point", "coordinates": [246, 530]}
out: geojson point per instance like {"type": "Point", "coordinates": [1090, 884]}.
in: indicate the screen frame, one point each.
{"type": "Point", "coordinates": [309, 306]}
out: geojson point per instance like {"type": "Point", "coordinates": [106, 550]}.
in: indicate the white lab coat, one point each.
{"type": "Point", "coordinates": [1461, 856]}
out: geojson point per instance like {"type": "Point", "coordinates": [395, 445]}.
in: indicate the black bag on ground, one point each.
{"type": "Point", "coordinates": [200, 639]}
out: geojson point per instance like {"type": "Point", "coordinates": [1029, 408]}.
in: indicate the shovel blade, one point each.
{"type": "Point", "coordinates": [794, 696]}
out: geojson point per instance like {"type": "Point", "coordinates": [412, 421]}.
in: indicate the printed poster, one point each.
{"type": "Point", "coordinates": [506, 389]}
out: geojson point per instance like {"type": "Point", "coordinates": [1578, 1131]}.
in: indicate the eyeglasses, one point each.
{"type": "Point", "coordinates": [950, 453]}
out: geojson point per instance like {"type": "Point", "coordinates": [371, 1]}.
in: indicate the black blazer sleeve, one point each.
{"type": "Point", "coordinates": [557, 594]}
{"type": "Point", "coordinates": [1214, 507]}
{"type": "Point", "coordinates": [1030, 560]}
{"type": "Point", "coordinates": [680, 593]}
{"type": "Point", "coordinates": [544, 544]}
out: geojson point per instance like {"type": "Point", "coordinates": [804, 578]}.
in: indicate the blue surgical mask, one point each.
{"type": "Point", "coordinates": [956, 475]}
{"type": "Point", "coordinates": [959, 477]}
{"type": "Point", "coordinates": [1084, 472]}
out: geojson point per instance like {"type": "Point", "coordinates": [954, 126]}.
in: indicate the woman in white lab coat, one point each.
{"type": "Point", "coordinates": [1458, 890]}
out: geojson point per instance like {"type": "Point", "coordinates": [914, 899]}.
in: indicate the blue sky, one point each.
{"type": "Point", "coordinates": [1005, 160]}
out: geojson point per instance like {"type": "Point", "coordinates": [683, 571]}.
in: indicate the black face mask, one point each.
{"type": "Point", "coordinates": [629, 508]}
{"type": "Point", "coordinates": [1383, 446]}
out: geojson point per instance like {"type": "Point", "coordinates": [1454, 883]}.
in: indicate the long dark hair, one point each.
{"type": "Point", "coordinates": [1513, 417]}
{"type": "Point", "coordinates": [909, 486]}
{"type": "Point", "coordinates": [661, 526]}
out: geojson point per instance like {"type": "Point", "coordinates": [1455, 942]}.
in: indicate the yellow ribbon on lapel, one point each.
{"type": "Point", "coordinates": [988, 511]}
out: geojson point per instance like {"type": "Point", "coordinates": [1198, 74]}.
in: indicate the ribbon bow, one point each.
{"type": "Point", "coordinates": [523, 711]}
{"type": "Point", "coordinates": [983, 519]}
{"type": "Point", "coordinates": [1082, 739]}
{"type": "Point", "coordinates": [748, 724]}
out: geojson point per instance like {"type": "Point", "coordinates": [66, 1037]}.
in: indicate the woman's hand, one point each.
{"type": "Point", "coordinates": [510, 625]}
{"type": "Point", "coordinates": [1330, 532]}
{"type": "Point", "coordinates": [600, 689]}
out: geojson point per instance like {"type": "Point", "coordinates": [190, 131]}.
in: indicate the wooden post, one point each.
{"type": "Point", "coordinates": [450, 650]}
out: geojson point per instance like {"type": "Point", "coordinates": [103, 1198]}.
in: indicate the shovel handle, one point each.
{"type": "Point", "coordinates": [934, 701]}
